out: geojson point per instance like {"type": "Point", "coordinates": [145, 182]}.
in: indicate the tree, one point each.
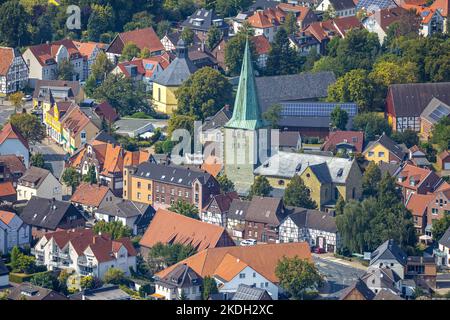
{"type": "Point", "coordinates": [29, 126]}
{"type": "Point", "coordinates": [311, 58]}
{"type": "Point", "coordinates": [101, 20]}
{"type": "Point", "coordinates": [354, 86]}
{"type": "Point", "coordinates": [440, 134]}
{"type": "Point", "coordinates": [17, 100]}
{"type": "Point", "coordinates": [339, 118]}
{"type": "Point", "coordinates": [90, 282]}
{"type": "Point", "coordinates": [297, 276]}
{"type": "Point", "coordinates": [340, 205]}
{"type": "Point", "coordinates": [188, 36]}
{"type": "Point", "coordinates": [163, 255]}
{"type": "Point", "coordinates": [115, 276]}
{"type": "Point", "coordinates": [13, 24]}
{"type": "Point", "coordinates": [209, 287]}
{"type": "Point", "coordinates": [298, 195]}
{"type": "Point", "coordinates": [290, 23]}
{"type": "Point", "coordinates": [370, 180]}
{"type": "Point", "coordinates": [372, 123]}
{"type": "Point", "coordinates": [440, 226]}
{"type": "Point", "coordinates": [177, 122]}
{"type": "Point", "coordinates": [24, 264]}
{"type": "Point", "coordinates": [45, 280]}
{"type": "Point", "coordinates": [272, 115]}
{"type": "Point", "coordinates": [91, 176]}
{"type": "Point", "coordinates": [71, 178]}
{"type": "Point", "coordinates": [282, 58]}
{"type": "Point", "coordinates": [140, 20]}
{"type": "Point", "coordinates": [203, 94]}
{"type": "Point", "coordinates": [260, 187]}
{"type": "Point", "coordinates": [328, 63]}
{"type": "Point", "coordinates": [226, 185]}
{"type": "Point", "coordinates": [37, 160]}
{"type": "Point", "coordinates": [230, 8]}
{"type": "Point", "coordinates": [15, 255]}
{"type": "Point", "coordinates": [114, 228]}
{"type": "Point", "coordinates": [162, 28]}
{"type": "Point", "coordinates": [65, 70]}
{"type": "Point", "coordinates": [234, 52]}
{"type": "Point", "coordinates": [408, 137]}
{"type": "Point", "coordinates": [185, 209]}
{"type": "Point", "coordinates": [385, 73]}
{"type": "Point", "coordinates": [214, 36]}
{"type": "Point", "coordinates": [130, 51]}
{"type": "Point", "coordinates": [101, 67]}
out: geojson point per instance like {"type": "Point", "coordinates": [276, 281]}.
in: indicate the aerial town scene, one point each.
{"type": "Point", "coordinates": [224, 150]}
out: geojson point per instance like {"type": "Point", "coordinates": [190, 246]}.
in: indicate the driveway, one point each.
{"type": "Point", "coordinates": [53, 154]}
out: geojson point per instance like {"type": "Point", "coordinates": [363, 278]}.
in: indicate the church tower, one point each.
{"type": "Point", "coordinates": [242, 138]}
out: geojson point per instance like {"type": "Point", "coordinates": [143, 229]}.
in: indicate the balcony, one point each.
{"type": "Point", "coordinates": [82, 261]}
{"type": "Point", "coordinates": [37, 252]}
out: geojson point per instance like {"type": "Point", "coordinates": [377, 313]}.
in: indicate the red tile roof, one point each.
{"type": "Point", "coordinates": [6, 59]}
{"type": "Point", "coordinates": [10, 132]}
{"type": "Point", "coordinates": [262, 45]}
{"type": "Point", "coordinates": [442, 6]}
{"type": "Point", "coordinates": [89, 194]}
{"type": "Point", "coordinates": [47, 52]}
{"type": "Point", "coordinates": [7, 189]}
{"type": "Point", "coordinates": [212, 165]}
{"type": "Point", "coordinates": [355, 138]}
{"type": "Point", "coordinates": [143, 38]}
{"type": "Point", "coordinates": [6, 216]}
{"type": "Point", "coordinates": [418, 203]}
{"type": "Point", "coordinates": [106, 111]}
{"type": "Point", "coordinates": [410, 172]}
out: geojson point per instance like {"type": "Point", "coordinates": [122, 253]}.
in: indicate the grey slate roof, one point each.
{"type": "Point", "coordinates": [266, 210]}
{"type": "Point", "coordinates": [391, 168]}
{"type": "Point", "coordinates": [297, 87]}
{"type": "Point", "coordinates": [125, 209]}
{"type": "Point", "coordinates": [398, 150]}
{"type": "Point", "coordinates": [322, 173]}
{"type": "Point", "coordinates": [33, 292]}
{"type": "Point", "coordinates": [46, 213]}
{"type": "Point", "coordinates": [218, 120]}
{"type": "Point", "coordinates": [263, 4]}
{"type": "Point", "coordinates": [238, 209]}
{"type": "Point", "coordinates": [361, 287]}
{"type": "Point", "coordinates": [385, 294]}
{"type": "Point", "coordinates": [181, 276]}
{"type": "Point", "coordinates": [339, 5]}
{"type": "Point", "coordinates": [246, 292]}
{"type": "Point", "coordinates": [105, 137]}
{"type": "Point", "coordinates": [312, 219]}
{"type": "Point", "coordinates": [207, 17]}
{"type": "Point", "coordinates": [35, 176]}
{"type": "Point", "coordinates": [388, 250]}
{"type": "Point", "coordinates": [445, 240]}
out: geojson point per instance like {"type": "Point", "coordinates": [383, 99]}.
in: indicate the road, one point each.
{"type": "Point", "coordinates": [6, 109]}
{"type": "Point", "coordinates": [53, 155]}
{"type": "Point", "coordinates": [337, 272]}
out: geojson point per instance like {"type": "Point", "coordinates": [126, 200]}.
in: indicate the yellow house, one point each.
{"type": "Point", "coordinates": [53, 117]}
{"type": "Point", "coordinates": [47, 92]}
{"type": "Point", "coordinates": [136, 188]}
{"type": "Point", "coordinates": [168, 81]}
{"type": "Point", "coordinates": [384, 150]}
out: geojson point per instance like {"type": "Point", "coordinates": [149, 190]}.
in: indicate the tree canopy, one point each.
{"type": "Point", "coordinates": [298, 195]}
{"type": "Point", "coordinates": [29, 126]}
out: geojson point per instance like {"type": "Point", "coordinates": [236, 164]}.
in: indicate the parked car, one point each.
{"type": "Point", "coordinates": [318, 250]}
{"type": "Point", "coordinates": [248, 242]}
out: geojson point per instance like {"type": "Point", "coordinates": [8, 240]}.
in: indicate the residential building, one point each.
{"type": "Point", "coordinates": [11, 168]}
{"type": "Point", "coordinates": [251, 265]}
{"type": "Point", "coordinates": [423, 271]}
{"type": "Point", "coordinates": [202, 20]}
{"type": "Point", "coordinates": [142, 38]}
{"type": "Point", "coordinates": [443, 259]}
{"type": "Point", "coordinates": [384, 294]}
{"type": "Point", "coordinates": [13, 232]}
{"type": "Point", "coordinates": [358, 290]}
{"type": "Point", "coordinates": [389, 256]}
{"type": "Point", "coordinates": [442, 6]}
{"type": "Point", "coordinates": [13, 143]}
{"type": "Point", "coordinates": [303, 42]}
{"type": "Point", "coordinates": [344, 142]}
{"type": "Point", "coordinates": [381, 279]}
{"type": "Point", "coordinates": [43, 60]}
{"type": "Point", "coordinates": [443, 160]}
{"type": "Point", "coordinates": [162, 185]}
{"type": "Point", "coordinates": [134, 128]}
{"type": "Point", "coordinates": [167, 82]}
{"type": "Point", "coordinates": [290, 141]}
{"type": "Point", "coordinates": [4, 275]}
{"type": "Point", "coordinates": [170, 40]}
{"type": "Point", "coordinates": [90, 197]}
{"type": "Point", "coordinates": [180, 283]}
{"type": "Point", "coordinates": [85, 252]}
{"type": "Point", "coordinates": [370, 6]}
{"type": "Point", "coordinates": [135, 215]}
{"type": "Point", "coordinates": [434, 112]}
{"type": "Point", "coordinates": [439, 206]}
{"type": "Point", "coordinates": [384, 149]}
{"type": "Point", "coordinates": [106, 112]}
{"type": "Point", "coordinates": [53, 118]}
{"type": "Point", "coordinates": [236, 218]}
{"type": "Point", "coordinates": [265, 22]}
{"type": "Point", "coordinates": [246, 292]}
{"type": "Point", "coordinates": [89, 50]}
{"type": "Point", "coordinates": [106, 292]}
{"type": "Point", "coordinates": [28, 291]}
{"type": "Point", "coordinates": [8, 193]}
{"type": "Point", "coordinates": [13, 71]}
{"type": "Point", "coordinates": [169, 227]}
{"type": "Point", "coordinates": [406, 102]}
{"type": "Point", "coordinates": [262, 47]}
{"type": "Point", "coordinates": [45, 215]}
{"type": "Point", "coordinates": [40, 183]}
{"type": "Point", "coordinates": [310, 226]}
{"type": "Point", "coordinates": [327, 177]}
{"type": "Point", "coordinates": [338, 8]}
{"type": "Point", "coordinates": [418, 205]}
{"type": "Point", "coordinates": [303, 14]}
{"type": "Point", "coordinates": [418, 157]}
{"type": "Point", "coordinates": [412, 179]}
{"type": "Point", "coordinates": [216, 211]}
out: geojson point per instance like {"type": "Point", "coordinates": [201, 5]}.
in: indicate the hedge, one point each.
{"type": "Point", "coordinates": [22, 277]}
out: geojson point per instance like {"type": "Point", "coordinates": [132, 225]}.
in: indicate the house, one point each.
{"type": "Point", "coordinates": [303, 42]}
{"type": "Point", "coordinates": [202, 20]}
{"type": "Point", "coordinates": [170, 40]}
{"type": "Point", "coordinates": [310, 226]}
{"type": "Point", "coordinates": [262, 48]}
{"type": "Point", "coordinates": [418, 157]}
{"type": "Point", "coordinates": [392, 168]}
{"type": "Point", "coordinates": [40, 183]}
{"type": "Point", "coordinates": [106, 112]}
{"type": "Point", "coordinates": [236, 218]}
{"type": "Point", "coordinates": [133, 128]}
{"type": "Point", "coordinates": [389, 256]}
{"type": "Point", "coordinates": [327, 177]}
{"type": "Point", "coordinates": [406, 102]}
{"type": "Point", "coordinates": [28, 291]}
{"type": "Point", "coordinates": [431, 20]}
{"type": "Point", "coordinates": [370, 6]}
{"type": "Point", "coordinates": [43, 60]}
{"type": "Point", "coordinates": [8, 193]}
{"type": "Point", "coordinates": [438, 206]}
{"type": "Point", "coordinates": [13, 143]}
{"type": "Point", "coordinates": [90, 197]}
{"type": "Point", "coordinates": [266, 22]}
{"type": "Point", "coordinates": [423, 271]}
{"type": "Point", "coordinates": [135, 215]}
{"type": "Point", "coordinates": [216, 211]}
{"type": "Point", "coordinates": [108, 159]}
{"type": "Point", "coordinates": [106, 292]}
{"type": "Point", "coordinates": [290, 141]}
{"type": "Point", "coordinates": [434, 112]}
{"type": "Point", "coordinates": [378, 280]}
{"type": "Point", "coordinates": [418, 205]}
{"type": "Point", "coordinates": [384, 294]}
{"type": "Point", "coordinates": [303, 14]}
{"type": "Point", "coordinates": [89, 50]}
{"type": "Point", "coordinates": [13, 71]}
{"type": "Point", "coordinates": [180, 283]}
{"type": "Point", "coordinates": [443, 160]}
{"type": "Point", "coordinates": [384, 149]}
{"type": "Point", "coordinates": [246, 292]}
{"type": "Point", "coordinates": [167, 82]}
{"type": "Point", "coordinates": [142, 38]}
{"type": "Point", "coordinates": [11, 168]}
{"type": "Point", "coordinates": [442, 6]}
{"type": "Point", "coordinates": [162, 185]}
{"type": "Point", "coordinates": [444, 248]}
{"type": "Point", "coordinates": [338, 8]}
{"type": "Point", "coordinates": [53, 118]}
{"type": "Point", "coordinates": [85, 252]}
{"type": "Point", "coordinates": [412, 179]}
{"type": "Point", "coordinates": [345, 142]}
{"type": "Point", "coordinates": [47, 215]}
{"type": "Point", "coordinates": [4, 275]}
{"type": "Point", "coordinates": [168, 227]}
{"type": "Point", "coordinates": [13, 232]}
{"type": "Point", "coordinates": [251, 265]}
{"type": "Point", "coordinates": [358, 290]}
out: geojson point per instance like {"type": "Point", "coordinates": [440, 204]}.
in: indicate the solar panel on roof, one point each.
{"type": "Point", "coordinates": [439, 113]}
{"type": "Point", "coordinates": [374, 4]}
{"type": "Point", "coordinates": [315, 109]}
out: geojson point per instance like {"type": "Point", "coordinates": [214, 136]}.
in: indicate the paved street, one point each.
{"type": "Point", "coordinates": [6, 109]}
{"type": "Point", "coordinates": [53, 155]}
{"type": "Point", "coordinates": [338, 273]}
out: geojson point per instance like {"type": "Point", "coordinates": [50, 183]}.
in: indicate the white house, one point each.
{"type": "Point", "coordinates": [40, 183]}
{"type": "Point", "coordinates": [432, 21]}
{"type": "Point", "coordinates": [13, 232]}
{"type": "Point", "coordinates": [389, 256]}
{"type": "Point", "coordinates": [13, 71]}
{"type": "Point", "coordinates": [85, 252]}
{"type": "Point", "coordinates": [181, 282]}
{"type": "Point", "coordinates": [444, 250]}
{"type": "Point", "coordinates": [13, 143]}
{"type": "Point", "coordinates": [90, 197]}
{"type": "Point", "coordinates": [216, 211]}
{"type": "Point", "coordinates": [339, 8]}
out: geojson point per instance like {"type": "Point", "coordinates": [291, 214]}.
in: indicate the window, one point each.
{"type": "Point", "coordinates": [381, 154]}
{"type": "Point", "coordinates": [241, 275]}
{"type": "Point", "coordinates": [254, 274]}
{"type": "Point", "coordinates": [370, 153]}
{"type": "Point", "coordinates": [138, 185]}
{"type": "Point", "coordinates": [83, 135]}
{"type": "Point", "coordinates": [138, 195]}
{"type": "Point", "coordinates": [149, 198]}
{"type": "Point", "coordinates": [149, 187]}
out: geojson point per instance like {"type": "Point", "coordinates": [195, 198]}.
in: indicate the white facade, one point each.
{"type": "Point", "coordinates": [15, 233]}
{"type": "Point", "coordinates": [129, 222]}
{"type": "Point", "coordinates": [49, 188]}
{"type": "Point", "coordinates": [17, 76]}
{"type": "Point", "coordinates": [15, 147]}
{"type": "Point", "coordinates": [389, 264]}
{"type": "Point", "coordinates": [107, 200]}
{"type": "Point", "coordinates": [173, 293]}
{"type": "Point", "coordinates": [371, 25]}
{"type": "Point", "coordinates": [435, 25]}
{"type": "Point", "coordinates": [444, 259]}
{"type": "Point", "coordinates": [326, 5]}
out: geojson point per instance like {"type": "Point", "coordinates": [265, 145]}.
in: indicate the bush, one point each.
{"type": "Point", "coordinates": [22, 277]}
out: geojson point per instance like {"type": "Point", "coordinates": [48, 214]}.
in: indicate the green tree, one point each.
{"type": "Point", "coordinates": [114, 228]}
{"type": "Point", "coordinates": [25, 264]}
{"type": "Point", "coordinates": [90, 282]}
{"type": "Point", "coordinates": [203, 94]}
{"type": "Point", "coordinates": [16, 99]}
{"type": "Point", "coordinates": [226, 185]}
{"type": "Point", "coordinates": [234, 52]}
{"type": "Point", "coordinates": [260, 187]}
{"type": "Point", "coordinates": [185, 209]}
{"type": "Point", "coordinates": [140, 20]}
{"type": "Point", "coordinates": [65, 70]}
{"type": "Point", "coordinates": [213, 37]}
{"type": "Point", "coordinates": [91, 176]}
{"type": "Point", "coordinates": [15, 255]}
{"type": "Point", "coordinates": [115, 276]}
{"type": "Point", "coordinates": [440, 134]}
{"type": "Point", "coordinates": [13, 24]}
{"type": "Point", "coordinates": [29, 126]}
{"type": "Point", "coordinates": [188, 36]}
{"type": "Point", "coordinates": [272, 115]}
{"type": "Point", "coordinates": [130, 51]}
{"type": "Point", "coordinates": [440, 226]}
{"type": "Point", "coordinates": [209, 287]}
{"type": "Point", "coordinates": [340, 205]}
{"type": "Point", "coordinates": [162, 255]}
{"type": "Point", "coordinates": [162, 28]}
{"type": "Point", "coordinates": [370, 180]}
{"type": "Point", "coordinates": [298, 195]}
{"type": "Point", "coordinates": [37, 160]}
{"type": "Point", "coordinates": [297, 276]}
{"type": "Point", "coordinates": [408, 137]}
{"type": "Point", "coordinates": [282, 58]}
{"type": "Point", "coordinates": [372, 123]}
{"type": "Point", "coordinates": [339, 118]}
{"type": "Point", "coordinates": [328, 63]}
{"type": "Point", "coordinates": [101, 20]}
{"type": "Point", "coordinates": [100, 69]}
{"type": "Point", "coordinates": [45, 280]}
{"type": "Point", "coordinates": [290, 23]}
{"type": "Point", "coordinates": [71, 177]}
{"type": "Point", "coordinates": [312, 57]}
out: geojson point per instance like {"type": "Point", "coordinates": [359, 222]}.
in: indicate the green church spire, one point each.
{"type": "Point", "coordinates": [246, 113]}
